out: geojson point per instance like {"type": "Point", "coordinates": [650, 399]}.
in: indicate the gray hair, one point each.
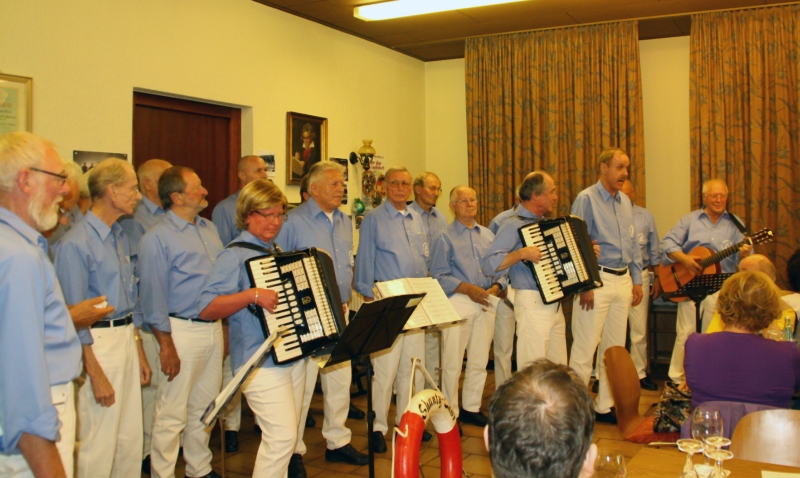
{"type": "Point", "coordinates": [109, 171]}
{"type": "Point", "coordinates": [708, 183]}
{"type": "Point", "coordinates": [74, 172]}
{"type": "Point", "coordinates": [20, 150]}
{"type": "Point", "coordinates": [318, 170]}
{"type": "Point", "coordinates": [421, 177]}
{"type": "Point", "coordinates": [395, 170]}
{"type": "Point", "coordinates": [83, 185]}
{"type": "Point", "coordinates": [171, 181]}
{"type": "Point", "coordinates": [533, 185]}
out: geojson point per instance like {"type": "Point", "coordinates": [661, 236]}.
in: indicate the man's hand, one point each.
{"type": "Point", "coordinates": [530, 253]}
{"type": "Point", "coordinates": [477, 294]}
{"type": "Point", "coordinates": [637, 294]}
{"type": "Point", "coordinates": [745, 251]}
{"type": "Point", "coordinates": [655, 289]}
{"type": "Point", "coordinates": [102, 389]}
{"type": "Point", "coordinates": [170, 362]}
{"type": "Point", "coordinates": [266, 298]}
{"type": "Point", "coordinates": [596, 248]}
{"type": "Point", "coordinates": [144, 368]}
{"type": "Point", "coordinates": [688, 262]}
{"type": "Point", "coordinates": [84, 314]}
{"type": "Point", "coordinates": [587, 300]}
{"type": "Point", "coordinates": [226, 346]}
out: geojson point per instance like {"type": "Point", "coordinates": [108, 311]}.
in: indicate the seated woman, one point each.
{"type": "Point", "coordinates": [737, 364]}
{"type": "Point", "coordinates": [269, 390]}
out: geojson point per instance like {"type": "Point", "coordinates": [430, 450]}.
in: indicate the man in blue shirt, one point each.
{"type": "Point", "coordinates": [175, 258]}
{"type": "Point", "coordinates": [40, 353]}
{"type": "Point", "coordinates": [711, 227]}
{"type": "Point", "coordinates": [456, 263]}
{"type": "Point", "coordinates": [70, 212]}
{"type": "Point", "coordinates": [94, 260]}
{"type": "Point", "coordinates": [248, 169]}
{"type": "Point", "coordinates": [147, 213]}
{"type": "Point", "coordinates": [600, 316]}
{"type": "Point", "coordinates": [392, 245]}
{"type": "Point", "coordinates": [319, 223]}
{"type": "Point", "coordinates": [541, 329]}
{"type": "Point", "coordinates": [646, 237]}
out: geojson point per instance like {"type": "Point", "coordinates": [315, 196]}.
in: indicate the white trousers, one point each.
{"type": "Point", "coordinates": [15, 466]}
{"type": "Point", "coordinates": [110, 438]}
{"type": "Point", "coordinates": [395, 363]}
{"type": "Point", "coordinates": [504, 329]}
{"type": "Point", "coordinates": [541, 329]}
{"type": "Point", "coordinates": [181, 402]}
{"type": "Point", "coordinates": [335, 401]}
{"type": "Point", "coordinates": [271, 393]}
{"type": "Point", "coordinates": [432, 353]}
{"type": "Point", "coordinates": [605, 325]}
{"type": "Point", "coordinates": [233, 412]}
{"type": "Point", "coordinates": [475, 337]}
{"type": "Point", "coordinates": [150, 345]}
{"type": "Point", "coordinates": [637, 319]}
{"type": "Point", "coordinates": [685, 325]}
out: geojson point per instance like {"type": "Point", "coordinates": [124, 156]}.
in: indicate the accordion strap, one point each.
{"type": "Point", "coordinates": [255, 247]}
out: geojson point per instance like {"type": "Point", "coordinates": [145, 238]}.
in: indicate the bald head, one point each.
{"type": "Point", "coordinates": [250, 168]}
{"type": "Point", "coordinates": [149, 172]}
{"type": "Point", "coordinates": [629, 190]}
{"type": "Point", "coordinates": [759, 263]}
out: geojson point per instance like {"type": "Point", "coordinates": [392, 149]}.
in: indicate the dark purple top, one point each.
{"type": "Point", "coordinates": [741, 368]}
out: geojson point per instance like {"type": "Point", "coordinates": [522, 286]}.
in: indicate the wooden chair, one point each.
{"type": "Point", "coordinates": [769, 436]}
{"type": "Point", "coordinates": [626, 392]}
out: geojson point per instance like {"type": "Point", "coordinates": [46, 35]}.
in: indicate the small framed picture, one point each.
{"type": "Point", "coordinates": [16, 103]}
{"type": "Point", "coordinates": [306, 144]}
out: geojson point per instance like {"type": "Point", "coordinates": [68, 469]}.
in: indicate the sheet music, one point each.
{"type": "Point", "coordinates": [435, 307]}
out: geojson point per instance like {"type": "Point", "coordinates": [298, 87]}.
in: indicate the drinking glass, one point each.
{"type": "Point", "coordinates": [705, 424]}
{"type": "Point", "coordinates": [690, 447]}
{"type": "Point", "coordinates": [718, 455]}
{"type": "Point", "coordinates": [609, 464]}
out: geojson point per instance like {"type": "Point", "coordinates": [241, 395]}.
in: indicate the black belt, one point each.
{"type": "Point", "coordinates": [191, 319]}
{"type": "Point", "coordinates": [620, 272]}
{"type": "Point", "coordinates": [104, 324]}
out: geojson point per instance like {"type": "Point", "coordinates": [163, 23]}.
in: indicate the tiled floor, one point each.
{"type": "Point", "coordinates": [476, 460]}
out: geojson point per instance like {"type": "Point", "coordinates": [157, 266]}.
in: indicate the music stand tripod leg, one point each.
{"type": "Point", "coordinates": [222, 443]}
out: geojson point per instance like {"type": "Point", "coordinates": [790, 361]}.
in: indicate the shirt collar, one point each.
{"type": "Point", "coordinates": [422, 212]}
{"type": "Point", "coordinates": [392, 211]}
{"type": "Point", "coordinates": [154, 208]}
{"type": "Point", "coordinates": [704, 213]}
{"type": "Point", "coordinates": [605, 194]}
{"type": "Point", "coordinates": [27, 232]}
{"type": "Point", "coordinates": [181, 222]}
{"type": "Point", "coordinates": [248, 237]}
{"type": "Point", "coordinates": [522, 211]}
{"type": "Point", "coordinates": [460, 227]}
{"type": "Point", "coordinates": [102, 228]}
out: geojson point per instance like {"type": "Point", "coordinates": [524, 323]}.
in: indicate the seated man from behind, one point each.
{"type": "Point", "coordinates": [541, 423]}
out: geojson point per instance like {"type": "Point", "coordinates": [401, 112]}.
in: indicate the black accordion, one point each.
{"type": "Point", "coordinates": [568, 264]}
{"type": "Point", "coordinates": [309, 303]}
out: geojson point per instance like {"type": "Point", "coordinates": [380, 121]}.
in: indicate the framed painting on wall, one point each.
{"type": "Point", "coordinates": [16, 103]}
{"type": "Point", "coordinates": [306, 144]}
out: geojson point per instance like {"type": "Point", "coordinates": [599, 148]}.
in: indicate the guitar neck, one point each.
{"type": "Point", "coordinates": [719, 256]}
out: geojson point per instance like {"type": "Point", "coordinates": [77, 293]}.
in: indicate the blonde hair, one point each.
{"type": "Point", "coordinates": [259, 194]}
{"type": "Point", "coordinates": [749, 300]}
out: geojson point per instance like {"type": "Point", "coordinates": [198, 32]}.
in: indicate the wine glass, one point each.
{"type": "Point", "coordinates": [718, 455]}
{"type": "Point", "coordinates": [690, 447]}
{"type": "Point", "coordinates": [609, 464]}
{"type": "Point", "coordinates": [706, 424]}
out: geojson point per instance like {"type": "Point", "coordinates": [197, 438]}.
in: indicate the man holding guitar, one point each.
{"type": "Point", "coordinates": [711, 227]}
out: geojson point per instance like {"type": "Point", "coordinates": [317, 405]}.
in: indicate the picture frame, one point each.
{"type": "Point", "coordinates": [16, 103]}
{"type": "Point", "coordinates": [306, 144]}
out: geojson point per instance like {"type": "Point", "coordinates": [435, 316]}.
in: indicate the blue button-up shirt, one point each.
{"type": "Point", "coordinates": [73, 216]}
{"type": "Point", "coordinates": [308, 226]}
{"type": "Point", "coordinates": [494, 224]}
{"type": "Point", "coordinates": [433, 221]}
{"type": "Point", "coordinates": [392, 245]}
{"type": "Point", "coordinates": [507, 240]}
{"type": "Point", "coordinates": [609, 220]}
{"type": "Point", "coordinates": [38, 344]}
{"type": "Point", "coordinates": [224, 217]}
{"type": "Point", "coordinates": [146, 215]}
{"type": "Point", "coordinates": [229, 276]}
{"type": "Point", "coordinates": [175, 260]}
{"type": "Point", "coordinates": [646, 236]}
{"type": "Point", "coordinates": [93, 260]}
{"type": "Point", "coordinates": [457, 254]}
{"type": "Point", "coordinates": [696, 229]}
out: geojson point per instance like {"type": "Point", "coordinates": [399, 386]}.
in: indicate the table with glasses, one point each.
{"type": "Point", "coordinates": [668, 463]}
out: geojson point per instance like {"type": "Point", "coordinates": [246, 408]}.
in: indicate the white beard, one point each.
{"type": "Point", "coordinates": [45, 217]}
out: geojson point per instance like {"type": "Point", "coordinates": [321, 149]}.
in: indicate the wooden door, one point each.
{"type": "Point", "coordinates": [202, 136]}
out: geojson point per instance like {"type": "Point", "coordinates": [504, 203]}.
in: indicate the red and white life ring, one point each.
{"type": "Point", "coordinates": [424, 406]}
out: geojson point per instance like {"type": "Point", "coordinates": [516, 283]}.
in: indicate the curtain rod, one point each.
{"type": "Point", "coordinates": [654, 17]}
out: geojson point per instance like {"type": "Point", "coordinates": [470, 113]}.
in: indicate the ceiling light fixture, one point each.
{"type": "Point", "coordinates": [407, 8]}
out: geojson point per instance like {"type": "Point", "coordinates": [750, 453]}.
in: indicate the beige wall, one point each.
{"type": "Point", "coordinates": [87, 57]}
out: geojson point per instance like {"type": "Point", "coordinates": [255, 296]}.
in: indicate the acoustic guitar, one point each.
{"type": "Point", "coordinates": [676, 275]}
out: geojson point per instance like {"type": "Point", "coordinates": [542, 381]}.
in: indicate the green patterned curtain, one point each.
{"type": "Point", "coordinates": [745, 124]}
{"type": "Point", "coordinates": [551, 100]}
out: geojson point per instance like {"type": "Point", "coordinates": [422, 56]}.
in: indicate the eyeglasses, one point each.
{"type": "Point", "coordinates": [467, 201]}
{"type": "Point", "coordinates": [717, 196]}
{"type": "Point", "coordinates": [272, 217]}
{"type": "Point", "coordinates": [62, 178]}
{"type": "Point", "coordinates": [434, 189]}
{"type": "Point", "coordinates": [399, 184]}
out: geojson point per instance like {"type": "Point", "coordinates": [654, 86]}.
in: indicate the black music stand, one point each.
{"type": "Point", "coordinates": [374, 328]}
{"type": "Point", "coordinates": [698, 289]}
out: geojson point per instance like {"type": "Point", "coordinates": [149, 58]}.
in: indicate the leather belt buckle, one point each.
{"type": "Point", "coordinates": [104, 324]}
{"type": "Point", "coordinates": [616, 272]}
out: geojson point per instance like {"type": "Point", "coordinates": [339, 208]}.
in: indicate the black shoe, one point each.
{"type": "Point", "coordinates": [648, 384]}
{"type": "Point", "coordinates": [213, 474]}
{"type": "Point", "coordinates": [310, 422]}
{"type": "Point", "coordinates": [610, 417]}
{"type": "Point", "coordinates": [596, 386]}
{"type": "Point", "coordinates": [426, 437]}
{"type": "Point", "coordinates": [257, 429]}
{"type": "Point", "coordinates": [347, 454]}
{"type": "Point", "coordinates": [377, 442]}
{"type": "Point", "coordinates": [231, 441]}
{"type": "Point", "coordinates": [473, 418]}
{"type": "Point", "coordinates": [296, 468]}
{"type": "Point", "coordinates": [146, 465]}
{"type": "Point", "coordinates": [355, 413]}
